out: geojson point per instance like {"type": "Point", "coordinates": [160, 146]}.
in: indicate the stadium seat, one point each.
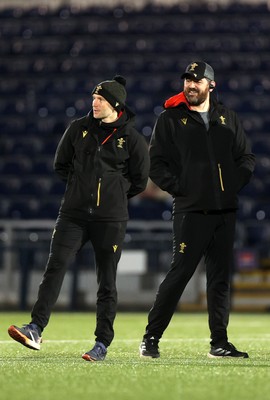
{"type": "Point", "coordinates": [16, 166]}
{"type": "Point", "coordinates": [23, 209]}
{"type": "Point", "coordinates": [49, 209]}
{"type": "Point", "coordinates": [257, 234]}
{"type": "Point", "coordinates": [43, 166]}
{"type": "Point", "coordinates": [254, 189]}
{"type": "Point", "coordinates": [35, 187]}
{"type": "Point", "coordinates": [57, 188]}
{"type": "Point", "coordinates": [9, 186]}
{"type": "Point", "coordinates": [262, 166]}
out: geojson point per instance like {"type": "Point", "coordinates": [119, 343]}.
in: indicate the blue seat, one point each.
{"type": "Point", "coordinates": [4, 208]}
{"type": "Point", "coordinates": [27, 146]}
{"type": "Point", "coordinates": [6, 144]}
{"type": "Point", "coordinates": [23, 209]}
{"type": "Point", "coordinates": [257, 233]}
{"type": "Point", "coordinates": [10, 186]}
{"type": "Point", "coordinates": [57, 188]}
{"type": "Point", "coordinates": [254, 188]}
{"type": "Point", "coordinates": [265, 194]}
{"type": "Point", "coordinates": [50, 145]}
{"type": "Point", "coordinates": [261, 145]}
{"type": "Point", "coordinates": [16, 166]}
{"type": "Point", "coordinates": [246, 207]}
{"type": "Point", "coordinates": [35, 187]}
{"type": "Point", "coordinates": [49, 209]}
{"type": "Point", "coordinates": [262, 168]}
{"type": "Point", "coordinates": [43, 166]}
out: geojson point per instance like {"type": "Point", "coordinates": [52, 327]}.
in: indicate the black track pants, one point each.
{"type": "Point", "coordinates": [68, 238]}
{"type": "Point", "coordinates": [197, 234]}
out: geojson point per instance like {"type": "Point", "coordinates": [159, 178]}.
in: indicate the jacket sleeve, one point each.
{"type": "Point", "coordinates": [139, 164]}
{"type": "Point", "coordinates": [162, 171]}
{"type": "Point", "coordinates": [64, 154]}
{"type": "Point", "coordinates": [243, 157]}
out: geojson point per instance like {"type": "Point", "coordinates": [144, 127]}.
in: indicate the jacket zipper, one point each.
{"type": "Point", "coordinates": [99, 180]}
{"type": "Point", "coordinates": [220, 177]}
{"type": "Point", "coordinates": [98, 192]}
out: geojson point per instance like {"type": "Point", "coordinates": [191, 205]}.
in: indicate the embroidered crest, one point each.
{"type": "Point", "coordinates": [121, 141]}
{"type": "Point", "coordinates": [98, 88]}
{"type": "Point", "coordinates": [184, 121]}
{"type": "Point", "coordinates": [222, 119]}
{"type": "Point", "coordinates": [193, 66]}
{"type": "Point", "coordinates": [182, 247]}
{"type": "Point", "coordinates": [84, 133]}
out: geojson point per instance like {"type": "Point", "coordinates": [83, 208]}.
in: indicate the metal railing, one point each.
{"type": "Point", "coordinates": [24, 249]}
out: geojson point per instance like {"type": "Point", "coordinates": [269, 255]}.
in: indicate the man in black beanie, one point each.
{"type": "Point", "coordinates": [104, 161]}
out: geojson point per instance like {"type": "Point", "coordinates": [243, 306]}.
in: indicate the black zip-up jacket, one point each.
{"type": "Point", "coordinates": [202, 169]}
{"type": "Point", "coordinates": [104, 165]}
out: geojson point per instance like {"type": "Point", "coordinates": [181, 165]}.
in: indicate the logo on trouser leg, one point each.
{"type": "Point", "coordinates": [115, 247]}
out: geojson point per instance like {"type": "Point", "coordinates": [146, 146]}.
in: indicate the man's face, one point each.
{"type": "Point", "coordinates": [196, 92]}
{"type": "Point", "coordinates": [102, 109]}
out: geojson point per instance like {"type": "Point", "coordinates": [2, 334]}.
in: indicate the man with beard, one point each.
{"type": "Point", "coordinates": [104, 162]}
{"type": "Point", "coordinates": [200, 155]}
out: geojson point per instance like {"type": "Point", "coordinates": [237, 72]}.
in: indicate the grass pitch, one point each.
{"type": "Point", "coordinates": [182, 372]}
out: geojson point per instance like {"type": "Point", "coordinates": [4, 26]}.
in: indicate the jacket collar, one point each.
{"type": "Point", "coordinates": [180, 98]}
{"type": "Point", "coordinates": [176, 100]}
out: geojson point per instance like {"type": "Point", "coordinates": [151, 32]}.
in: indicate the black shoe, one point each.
{"type": "Point", "coordinates": [97, 353]}
{"type": "Point", "coordinates": [149, 348]}
{"type": "Point", "coordinates": [27, 335]}
{"type": "Point", "coordinates": [228, 350]}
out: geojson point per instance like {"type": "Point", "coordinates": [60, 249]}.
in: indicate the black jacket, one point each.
{"type": "Point", "coordinates": [202, 169]}
{"type": "Point", "coordinates": [104, 165]}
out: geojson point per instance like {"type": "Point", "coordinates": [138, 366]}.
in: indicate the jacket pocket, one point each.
{"type": "Point", "coordinates": [110, 194]}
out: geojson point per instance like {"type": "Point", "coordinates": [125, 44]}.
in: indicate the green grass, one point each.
{"type": "Point", "coordinates": [183, 371]}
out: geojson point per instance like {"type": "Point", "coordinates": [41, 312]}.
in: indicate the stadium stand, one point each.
{"type": "Point", "coordinates": [50, 59]}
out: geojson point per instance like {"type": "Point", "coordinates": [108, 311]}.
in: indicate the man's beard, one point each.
{"type": "Point", "coordinates": [196, 100]}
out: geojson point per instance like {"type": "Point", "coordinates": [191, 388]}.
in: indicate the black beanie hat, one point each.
{"type": "Point", "coordinates": [113, 91]}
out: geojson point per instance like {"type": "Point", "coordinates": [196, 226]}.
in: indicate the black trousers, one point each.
{"type": "Point", "coordinates": [68, 238]}
{"type": "Point", "coordinates": [196, 234]}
